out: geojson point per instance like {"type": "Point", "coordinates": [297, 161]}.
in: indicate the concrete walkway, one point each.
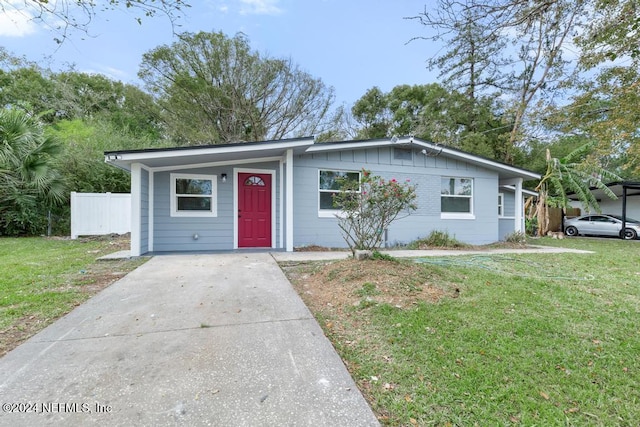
{"type": "Point", "coordinates": [220, 340]}
{"type": "Point", "coordinates": [336, 255]}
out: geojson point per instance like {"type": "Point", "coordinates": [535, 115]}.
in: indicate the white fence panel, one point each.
{"type": "Point", "coordinates": [100, 213]}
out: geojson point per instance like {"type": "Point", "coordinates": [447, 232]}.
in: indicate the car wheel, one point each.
{"type": "Point", "coordinates": [629, 234]}
{"type": "Point", "coordinates": [571, 231]}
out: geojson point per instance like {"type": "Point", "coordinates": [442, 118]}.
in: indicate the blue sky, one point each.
{"type": "Point", "coordinates": [351, 45]}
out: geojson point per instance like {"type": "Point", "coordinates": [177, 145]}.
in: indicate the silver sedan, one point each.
{"type": "Point", "coordinates": [601, 225]}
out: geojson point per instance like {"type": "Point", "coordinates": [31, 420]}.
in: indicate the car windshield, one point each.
{"type": "Point", "coordinates": [628, 219]}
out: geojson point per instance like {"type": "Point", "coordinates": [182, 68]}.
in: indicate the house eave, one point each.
{"type": "Point", "coordinates": [177, 156]}
{"type": "Point", "coordinates": [184, 156]}
{"type": "Point", "coordinates": [432, 149]}
{"type": "Point", "coordinates": [524, 191]}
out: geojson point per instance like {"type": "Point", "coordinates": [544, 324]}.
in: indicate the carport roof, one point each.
{"type": "Point", "coordinates": [633, 189]}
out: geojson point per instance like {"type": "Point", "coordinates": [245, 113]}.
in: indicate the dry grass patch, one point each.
{"type": "Point", "coordinates": [348, 284]}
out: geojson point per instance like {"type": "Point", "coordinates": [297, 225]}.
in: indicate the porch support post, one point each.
{"type": "Point", "coordinates": [151, 210]}
{"type": "Point", "coordinates": [289, 201]}
{"type": "Point", "coordinates": [136, 223]}
{"type": "Point", "coordinates": [281, 220]}
{"type": "Point", "coordinates": [624, 209]}
{"type": "Point", "coordinates": [519, 207]}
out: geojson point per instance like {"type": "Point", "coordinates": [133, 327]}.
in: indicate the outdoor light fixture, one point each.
{"type": "Point", "coordinates": [224, 177]}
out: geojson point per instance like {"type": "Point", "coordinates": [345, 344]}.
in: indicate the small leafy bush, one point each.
{"type": "Point", "coordinates": [438, 239]}
{"type": "Point", "coordinates": [531, 226]}
{"type": "Point", "coordinates": [517, 237]}
{"type": "Point", "coordinates": [368, 207]}
{"type": "Point", "coordinates": [376, 255]}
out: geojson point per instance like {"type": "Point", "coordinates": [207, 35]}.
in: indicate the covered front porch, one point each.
{"type": "Point", "coordinates": [223, 197]}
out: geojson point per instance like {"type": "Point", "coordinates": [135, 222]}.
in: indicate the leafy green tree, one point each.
{"type": "Point", "coordinates": [82, 161]}
{"type": "Point", "coordinates": [607, 112]}
{"type": "Point", "coordinates": [569, 175]}
{"type": "Point", "coordinates": [408, 106]}
{"type": "Point", "coordinates": [526, 57]}
{"type": "Point", "coordinates": [433, 113]}
{"type": "Point", "coordinates": [369, 206]}
{"type": "Point", "coordinates": [87, 114]}
{"type": "Point", "coordinates": [473, 62]}
{"type": "Point", "coordinates": [515, 46]}
{"type": "Point", "coordinates": [371, 111]}
{"type": "Point", "coordinates": [26, 86]}
{"type": "Point", "coordinates": [607, 107]}
{"type": "Point", "coordinates": [90, 96]}
{"type": "Point", "coordinates": [535, 158]}
{"type": "Point", "coordinates": [29, 183]}
{"type": "Point", "coordinates": [543, 32]}
{"type": "Point", "coordinates": [70, 95]}
{"type": "Point", "coordinates": [138, 114]}
{"type": "Point", "coordinates": [215, 89]}
{"type": "Point", "coordinates": [611, 33]}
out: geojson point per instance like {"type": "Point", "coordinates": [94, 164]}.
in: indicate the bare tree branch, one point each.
{"type": "Point", "coordinates": [65, 16]}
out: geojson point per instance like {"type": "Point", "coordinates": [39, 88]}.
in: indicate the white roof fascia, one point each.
{"type": "Point", "coordinates": [524, 191]}
{"type": "Point", "coordinates": [163, 154]}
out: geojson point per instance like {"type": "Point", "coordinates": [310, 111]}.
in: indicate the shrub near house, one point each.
{"type": "Point", "coordinates": [369, 207]}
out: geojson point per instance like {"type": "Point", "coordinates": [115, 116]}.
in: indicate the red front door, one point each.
{"type": "Point", "coordinates": [254, 210]}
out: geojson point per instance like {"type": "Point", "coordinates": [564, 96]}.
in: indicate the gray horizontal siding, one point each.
{"type": "Point", "coordinates": [506, 227]}
{"type": "Point", "coordinates": [507, 224]}
{"type": "Point", "coordinates": [383, 156]}
{"type": "Point", "coordinates": [423, 171]}
{"type": "Point", "coordinates": [509, 203]}
{"type": "Point", "coordinates": [214, 233]}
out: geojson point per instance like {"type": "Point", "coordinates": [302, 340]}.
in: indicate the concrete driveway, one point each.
{"type": "Point", "coordinates": [219, 340]}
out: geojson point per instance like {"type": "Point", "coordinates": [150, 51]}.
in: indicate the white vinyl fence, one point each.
{"type": "Point", "coordinates": [100, 213]}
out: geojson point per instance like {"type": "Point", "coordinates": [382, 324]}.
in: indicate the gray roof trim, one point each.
{"type": "Point", "coordinates": [202, 154]}
{"type": "Point", "coordinates": [431, 147]}
{"type": "Point", "coordinates": [201, 148]}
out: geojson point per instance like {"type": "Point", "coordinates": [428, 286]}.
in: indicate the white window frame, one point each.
{"type": "Point", "coordinates": [174, 197]}
{"type": "Point", "coordinates": [332, 213]}
{"type": "Point", "coordinates": [458, 215]}
{"type": "Point", "coordinates": [500, 205]}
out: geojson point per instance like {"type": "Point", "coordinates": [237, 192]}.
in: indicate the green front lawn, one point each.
{"type": "Point", "coordinates": [42, 279]}
{"type": "Point", "coordinates": [545, 340]}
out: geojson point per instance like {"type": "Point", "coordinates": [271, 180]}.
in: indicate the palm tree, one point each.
{"type": "Point", "coordinates": [568, 175]}
{"type": "Point", "coordinates": [29, 184]}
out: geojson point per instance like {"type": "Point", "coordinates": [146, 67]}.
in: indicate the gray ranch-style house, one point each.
{"type": "Point", "coordinates": [277, 194]}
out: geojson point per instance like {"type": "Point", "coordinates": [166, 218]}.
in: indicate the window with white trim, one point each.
{"type": "Point", "coordinates": [329, 184]}
{"type": "Point", "coordinates": [456, 197]}
{"type": "Point", "coordinates": [193, 195]}
{"type": "Point", "coordinates": [500, 204]}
